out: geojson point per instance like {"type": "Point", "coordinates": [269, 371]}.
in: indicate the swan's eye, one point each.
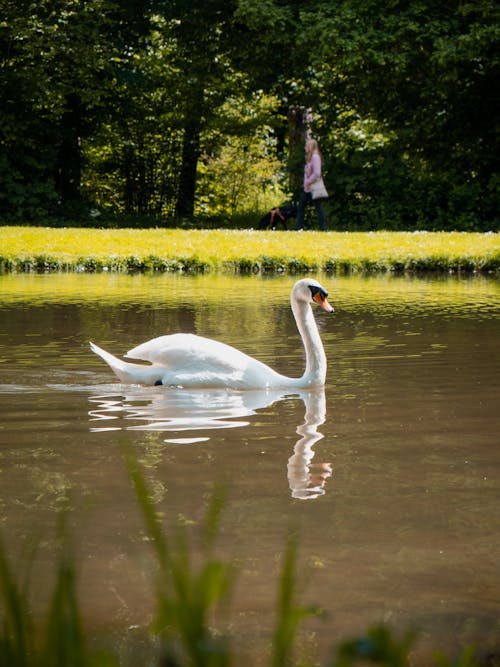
{"type": "Point", "coordinates": [315, 290]}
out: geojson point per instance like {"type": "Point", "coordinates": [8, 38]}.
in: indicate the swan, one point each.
{"type": "Point", "coordinates": [187, 360]}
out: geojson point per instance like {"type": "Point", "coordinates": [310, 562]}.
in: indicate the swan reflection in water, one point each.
{"type": "Point", "coordinates": [183, 410]}
{"type": "Point", "coordinates": [307, 479]}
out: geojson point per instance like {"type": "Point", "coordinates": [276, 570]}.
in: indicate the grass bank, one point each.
{"type": "Point", "coordinates": [25, 249]}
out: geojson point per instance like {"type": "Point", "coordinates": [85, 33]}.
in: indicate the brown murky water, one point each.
{"type": "Point", "coordinates": [390, 476]}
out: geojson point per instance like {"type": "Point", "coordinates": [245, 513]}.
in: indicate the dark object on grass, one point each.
{"type": "Point", "coordinates": [278, 216]}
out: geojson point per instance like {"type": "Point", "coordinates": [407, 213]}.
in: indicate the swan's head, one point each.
{"type": "Point", "coordinates": [308, 290]}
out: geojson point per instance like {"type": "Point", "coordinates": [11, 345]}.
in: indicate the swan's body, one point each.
{"type": "Point", "coordinates": [188, 360]}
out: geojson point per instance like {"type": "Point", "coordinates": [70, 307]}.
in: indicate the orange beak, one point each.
{"type": "Point", "coordinates": [322, 301]}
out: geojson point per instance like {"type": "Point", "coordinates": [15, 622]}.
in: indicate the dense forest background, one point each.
{"type": "Point", "coordinates": [195, 111]}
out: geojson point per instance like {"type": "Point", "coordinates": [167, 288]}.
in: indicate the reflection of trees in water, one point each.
{"type": "Point", "coordinates": [187, 412]}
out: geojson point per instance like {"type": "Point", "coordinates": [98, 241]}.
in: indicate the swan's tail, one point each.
{"type": "Point", "coordinates": [127, 372]}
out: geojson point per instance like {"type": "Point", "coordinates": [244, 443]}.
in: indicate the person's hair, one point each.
{"type": "Point", "coordinates": [312, 147]}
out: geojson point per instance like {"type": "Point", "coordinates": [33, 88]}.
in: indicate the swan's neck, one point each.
{"type": "Point", "coordinates": [315, 372]}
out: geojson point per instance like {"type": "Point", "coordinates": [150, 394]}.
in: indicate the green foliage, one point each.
{"type": "Point", "coordinates": [50, 74]}
{"type": "Point", "coordinates": [187, 112]}
{"type": "Point", "coordinates": [61, 642]}
{"type": "Point", "coordinates": [289, 616]}
{"type": "Point", "coordinates": [16, 622]}
{"type": "Point", "coordinates": [64, 641]}
{"type": "Point", "coordinates": [186, 594]}
{"type": "Point", "coordinates": [189, 593]}
{"type": "Point", "coordinates": [379, 646]}
{"type": "Point", "coordinates": [424, 76]}
{"type": "Point", "coordinates": [240, 173]}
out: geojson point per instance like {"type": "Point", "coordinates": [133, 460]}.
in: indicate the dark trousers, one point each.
{"type": "Point", "coordinates": [307, 200]}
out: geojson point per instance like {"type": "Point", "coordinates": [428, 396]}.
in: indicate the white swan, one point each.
{"type": "Point", "coordinates": [188, 360]}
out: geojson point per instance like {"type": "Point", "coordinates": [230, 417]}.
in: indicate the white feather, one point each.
{"type": "Point", "coordinates": [194, 361]}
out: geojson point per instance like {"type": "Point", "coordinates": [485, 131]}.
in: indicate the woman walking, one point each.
{"type": "Point", "coordinates": [312, 172]}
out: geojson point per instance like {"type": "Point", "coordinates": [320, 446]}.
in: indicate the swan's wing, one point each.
{"type": "Point", "coordinates": [188, 352]}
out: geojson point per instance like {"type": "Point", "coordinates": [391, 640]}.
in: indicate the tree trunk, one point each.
{"type": "Point", "coordinates": [190, 155]}
{"type": "Point", "coordinates": [69, 160]}
{"type": "Point", "coordinates": [298, 128]}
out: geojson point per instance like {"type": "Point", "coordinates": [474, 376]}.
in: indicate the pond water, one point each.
{"type": "Point", "coordinates": [390, 476]}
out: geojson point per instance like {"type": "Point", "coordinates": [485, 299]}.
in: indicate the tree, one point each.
{"type": "Point", "coordinates": [60, 62]}
{"type": "Point", "coordinates": [125, 104]}
{"type": "Point", "coordinates": [239, 173]}
{"type": "Point", "coordinates": [197, 32]}
{"type": "Point", "coordinates": [428, 74]}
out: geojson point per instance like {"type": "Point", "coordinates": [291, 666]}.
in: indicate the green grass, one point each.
{"type": "Point", "coordinates": [245, 251]}
{"type": "Point", "coordinates": [189, 595]}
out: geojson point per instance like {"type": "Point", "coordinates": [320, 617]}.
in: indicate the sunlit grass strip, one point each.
{"type": "Point", "coordinates": [245, 251]}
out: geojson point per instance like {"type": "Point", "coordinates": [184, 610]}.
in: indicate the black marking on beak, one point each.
{"type": "Point", "coordinates": [315, 290]}
{"type": "Point", "coordinates": [319, 296]}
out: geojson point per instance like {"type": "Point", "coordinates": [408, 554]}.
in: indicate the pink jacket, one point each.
{"type": "Point", "coordinates": [312, 171]}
